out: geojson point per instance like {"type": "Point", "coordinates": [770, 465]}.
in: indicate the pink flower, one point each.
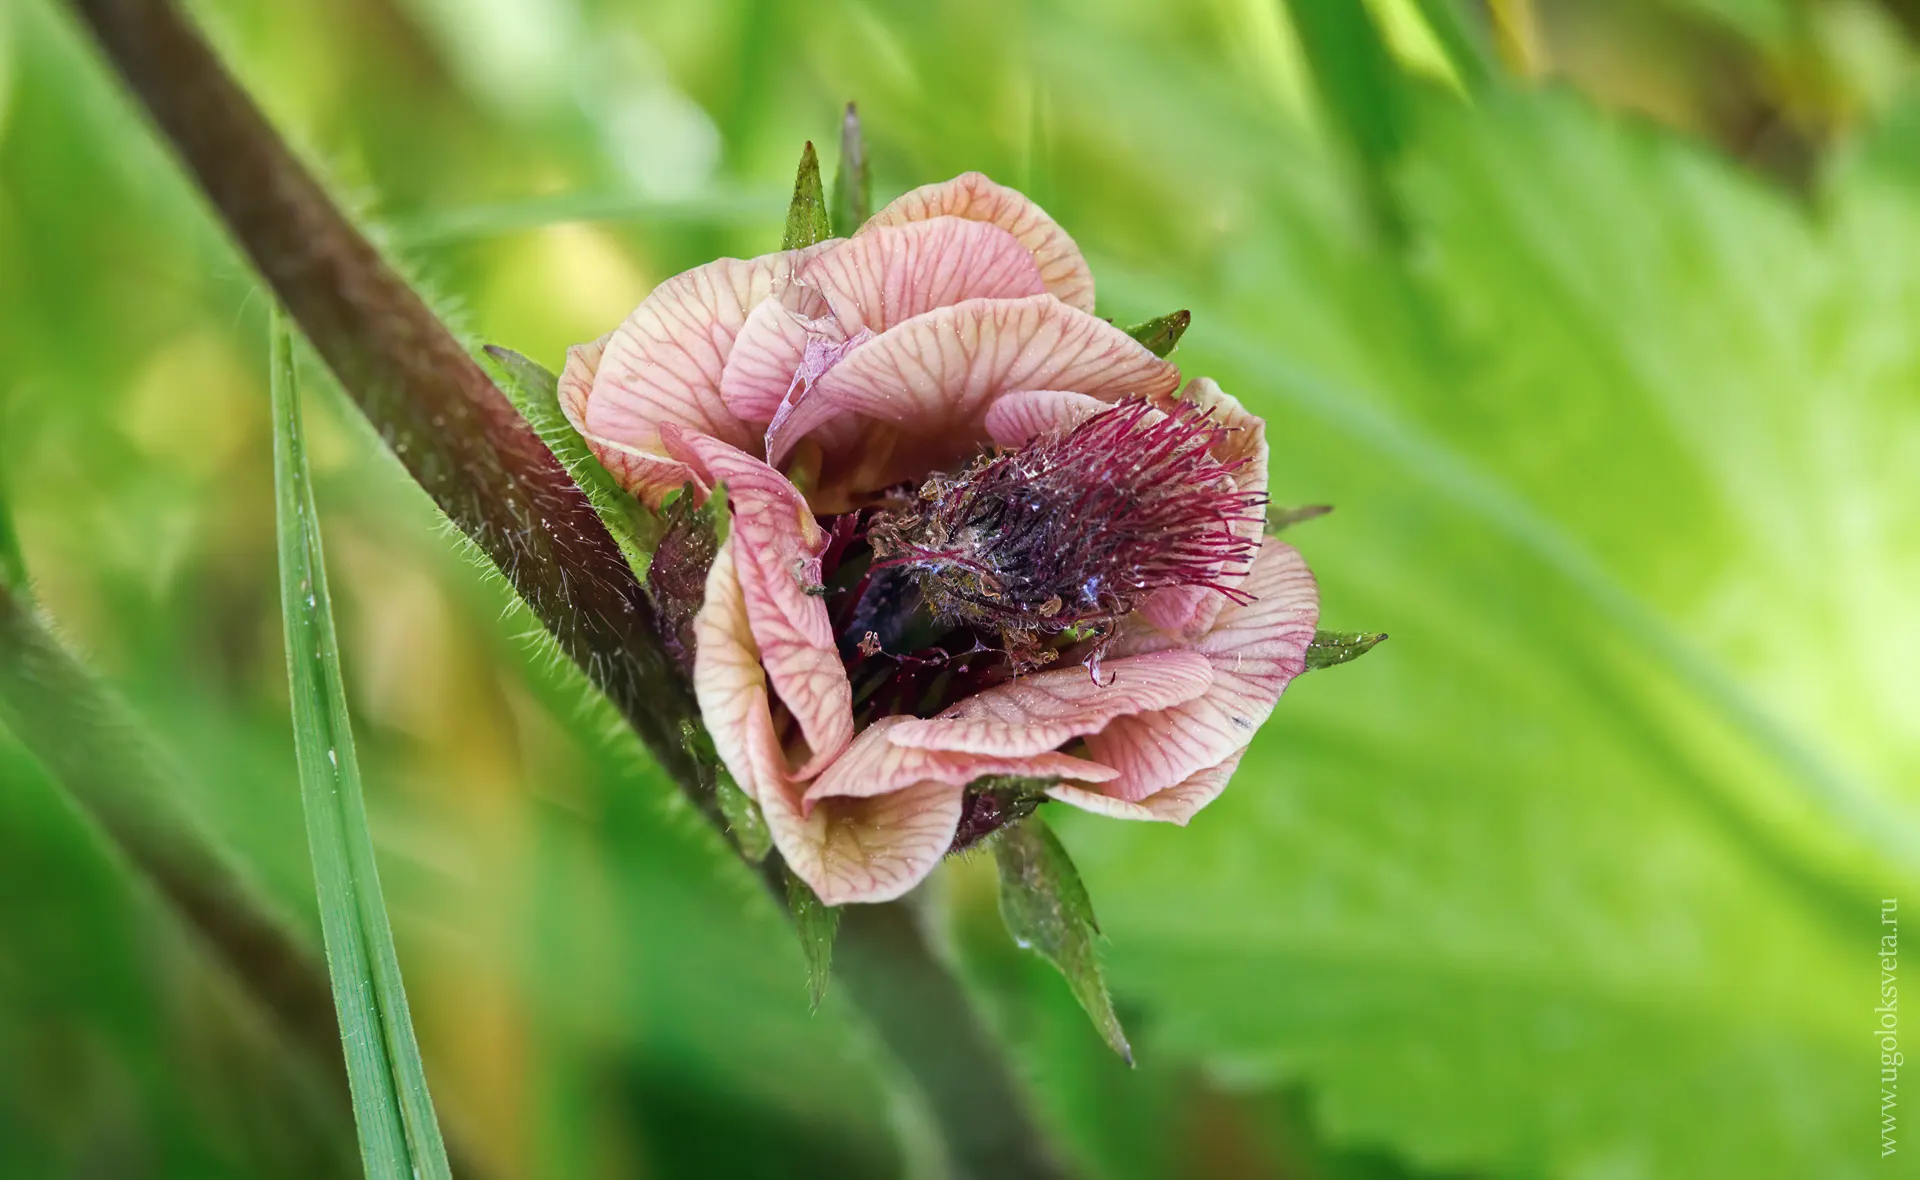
{"type": "Point", "coordinates": [976, 531]}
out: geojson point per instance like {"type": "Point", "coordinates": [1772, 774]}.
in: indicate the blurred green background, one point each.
{"type": "Point", "coordinates": [1595, 320]}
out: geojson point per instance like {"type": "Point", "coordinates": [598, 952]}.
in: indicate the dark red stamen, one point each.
{"type": "Point", "coordinates": [1075, 530]}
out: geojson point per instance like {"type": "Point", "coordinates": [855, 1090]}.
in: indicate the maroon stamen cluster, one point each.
{"type": "Point", "coordinates": [1072, 531]}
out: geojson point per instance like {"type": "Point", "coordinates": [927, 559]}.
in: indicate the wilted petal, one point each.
{"type": "Point", "coordinates": [874, 765]}
{"type": "Point", "coordinates": [1175, 805]}
{"type": "Point", "coordinates": [866, 850]}
{"type": "Point", "coordinates": [889, 274]}
{"type": "Point", "coordinates": [1018, 418]}
{"type": "Point", "coordinates": [935, 375]}
{"type": "Point", "coordinates": [1035, 714]}
{"type": "Point", "coordinates": [776, 546]}
{"type": "Point", "coordinates": [973, 196]}
{"type": "Point", "coordinates": [664, 364]}
{"type": "Point", "coordinates": [1254, 649]}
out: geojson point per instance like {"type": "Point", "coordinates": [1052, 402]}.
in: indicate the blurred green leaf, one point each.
{"type": "Point", "coordinates": [1361, 92]}
{"type": "Point", "coordinates": [1613, 814]}
{"type": "Point", "coordinates": [807, 215]}
{"type": "Point", "coordinates": [399, 1135]}
{"type": "Point", "coordinates": [816, 923]}
{"type": "Point", "coordinates": [1161, 334]}
{"type": "Point", "coordinates": [1464, 44]}
{"type": "Point", "coordinates": [1047, 910]}
{"type": "Point", "coordinates": [13, 566]}
{"type": "Point", "coordinates": [1332, 648]}
{"type": "Point", "coordinates": [852, 178]}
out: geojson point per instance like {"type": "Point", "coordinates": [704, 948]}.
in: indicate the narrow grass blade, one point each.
{"type": "Point", "coordinates": [399, 1136]}
{"type": "Point", "coordinates": [1361, 91]}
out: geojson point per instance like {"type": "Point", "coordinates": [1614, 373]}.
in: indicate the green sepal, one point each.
{"type": "Point", "coordinates": [1330, 648]}
{"type": "Point", "coordinates": [1047, 911]}
{"type": "Point", "coordinates": [535, 392]}
{"type": "Point", "coordinates": [1162, 333]}
{"type": "Point", "coordinates": [816, 922]}
{"type": "Point", "coordinates": [807, 214]}
{"type": "Point", "coordinates": [852, 179]}
{"type": "Point", "coordinates": [1280, 517]}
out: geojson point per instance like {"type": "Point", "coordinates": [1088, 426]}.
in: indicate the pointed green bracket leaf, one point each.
{"type": "Point", "coordinates": [1162, 333]}
{"type": "Point", "coordinates": [399, 1135]}
{"type": "Point", "coordinates": [1280, 518]}
{"type": "Point", "coordinates": [852, 179]}
{"type": "Point", "coordinates": [1047, 910]}
{"type": "Point", "coordinates": [1332, 648]}
{"type": "Point", "coordinates": [817, 923]}
{"type": "Point", "coordinates": [807, 215]}
{"type": "Point", "coordinates": [535, 392]}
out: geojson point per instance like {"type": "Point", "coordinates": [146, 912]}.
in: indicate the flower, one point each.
{"type": "Point", "coordinates": [976, 531]}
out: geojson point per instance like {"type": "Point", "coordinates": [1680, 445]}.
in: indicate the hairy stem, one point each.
{"type": "Point", "coordinates": [460, 438]}
{"type": "Point", "coordinates": [446, 421]}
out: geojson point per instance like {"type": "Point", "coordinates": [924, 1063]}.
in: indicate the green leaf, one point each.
{"type": "Point", "coordinates": [399, 1136]}
{"type": "Point", "coordinates": [1465, 47]}
{"type": "Point", "coordinates": [1047, 911]}
{"type": "Point", "coordinates": [852, 178]}
{"type": "Point", "coordinates": [816, 923]}
{"type": "Point", "coordinates": [1330, 648]}
{"type": "Point", "coordinates": [1162, 334]}
{"type": "Point", "coordinates": [807, 214]}
{"type": "Point", "coordinates": [534, 391]}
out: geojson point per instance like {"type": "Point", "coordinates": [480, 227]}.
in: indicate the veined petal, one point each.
{"type": "Point", "coordinates": [766, 356]}
{"type": "Point", "coordinates": [1255, 651]}
{"type": "Point", "coordinates": [936, 374]}
{"type": "Point", "coordinates": [731, 687]}
{"type": "Point", "coordinates": [664, 364]}
{"type": "Point", "coordinates": [776, 546]}
{"type": "Point", "coordinates": [1020, 417]}
{"type": "Point", "coordinates": [1035, 714]}
{"type": "Point", "coordinates": [889, 274]}
{"type": "Point", "coordinates": [874, 765]}
{"type": "Point", "coordinates": [847, 850]}
{"type": "Point", "coordinates": [971, 195]}
{"type": "Point", "coordinates": [1175, 805]}
{"type": "Point", "coordinates": [866, 850]}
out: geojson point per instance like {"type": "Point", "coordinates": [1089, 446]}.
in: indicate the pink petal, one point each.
{"type": "Point", "coordinates": [776, 546]}
{"type": "Point", "coordinates": [889, 274]}
{"type": "Point", "coordinates": [765, 357]}
{"type": "Point", "coordinates": [665, 362]}
{"type": "Point", "coordinates": [874, 765]}
{"type": "Point", "coordinates": [1018, 418]}
{"type": "Point", "coordinates": [973, 196]}
{"type": "Point", "coordinates": [1254, 649]}
{"type": "Point", "coordinates": [731, 687]}
{"type": "Point", "coordinates": [867, 850]}
{"type": "Point", "coordinates": [1175, 805]}
{"type": "Point", "coordinates": [1035, 714]}
{"type": "Point", "coordinates": [848, 850]}
{"type": "Point", "coordinates": [645, 473]}
{"type": "Point", "coordinates": [936, 374]}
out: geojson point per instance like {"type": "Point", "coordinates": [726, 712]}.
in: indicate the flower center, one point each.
{"type": "Point", "coordinates": [1066, 536]}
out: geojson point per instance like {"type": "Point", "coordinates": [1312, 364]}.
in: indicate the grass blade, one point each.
{"type": "Point", "coordinates": [399, 1136]}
